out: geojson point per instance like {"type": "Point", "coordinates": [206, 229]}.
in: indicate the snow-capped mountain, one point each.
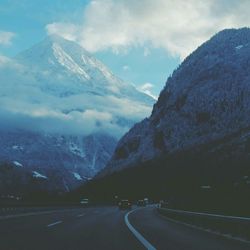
{"type": "Point", "coordinates": [64, 68]}
{"type": "Point", "coordinates": [62, 112]}
{"type": "Point", "coordinates": [205, 105]}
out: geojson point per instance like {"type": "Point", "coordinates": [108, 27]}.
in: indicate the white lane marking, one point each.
{"type": "Point", "coordinates": [144, 242]}
{"type": "Point", "coordinates": [208, 214]}
{"type": "Point", "coordinates": [205, 229]}
{"type": "Point", "coordinates": [26, 214]}
{"type": "Point", "coordinates": [80, 215]}
{"type": "Point", "coordinates": [55, 223]}
{"type": "Point", "coordinates": [34, 213]}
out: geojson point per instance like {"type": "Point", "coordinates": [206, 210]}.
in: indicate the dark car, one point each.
{"type": "Point", "coordinates": [141, 203]}
{"type": "Point", "coordinates": [124, 204]}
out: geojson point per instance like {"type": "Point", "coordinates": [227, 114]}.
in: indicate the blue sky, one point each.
{"type": "Point", "coordinates": [28, 19]}
{"type": "Point", "coordinates": [141, 41]}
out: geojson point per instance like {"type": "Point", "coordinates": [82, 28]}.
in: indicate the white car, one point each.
{"type": "Point", "coordinates": [84, 202]}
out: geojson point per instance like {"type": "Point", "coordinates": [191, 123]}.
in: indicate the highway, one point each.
{"type": "Point", "coordinates": [106, 227]}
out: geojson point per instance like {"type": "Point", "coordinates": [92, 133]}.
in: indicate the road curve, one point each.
{"type": "Point", "coordinates": [71, 229]}
{"type": "Point", "coordinates": [104, 228]}
{"type": "Point", "coordinates": [168, 235]}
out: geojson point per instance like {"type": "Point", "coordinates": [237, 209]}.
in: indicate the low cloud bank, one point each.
{"type": "Point", "coordinates": [26, 105]}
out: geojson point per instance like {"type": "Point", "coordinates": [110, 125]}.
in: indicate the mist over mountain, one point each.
{"type": "Point", "coordinates": [62, 111]}
{"type": "Point", "coordinates": [58, 86]}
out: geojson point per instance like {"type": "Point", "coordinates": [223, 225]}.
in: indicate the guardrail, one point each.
{"type": "Point", "coordinates": [231, 225]}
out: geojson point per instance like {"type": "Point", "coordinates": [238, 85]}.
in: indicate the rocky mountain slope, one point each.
{"type": "Point", "coordinates": [204, 107]}
{"type": "Point", "coordinates": [62, 112]}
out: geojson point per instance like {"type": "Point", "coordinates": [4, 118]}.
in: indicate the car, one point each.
{"type": "Point", "coordinates": [146, 201]}
{"type": "Point", "coordinates": [124, 204]}
{"type": "Point", "coordinates": [84, 202]}
{"type": "Point", "coordinates": [141, 203]}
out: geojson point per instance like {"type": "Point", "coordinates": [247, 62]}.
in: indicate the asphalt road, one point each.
{"type": "Point", "coordinates": [104, 228]}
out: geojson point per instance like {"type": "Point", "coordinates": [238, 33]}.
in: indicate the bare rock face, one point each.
{"type": "Point", "coordinates": [205, 101]}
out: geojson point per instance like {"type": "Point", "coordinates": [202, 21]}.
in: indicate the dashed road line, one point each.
{"type": "Point", "coordinates": [26, 214]}
{"type": "Point", "coordinates": [80, 215]}
{"type": "Point", "coordinates": [4, 217]}
{"type": "Point", "coordinates": [55, 223]}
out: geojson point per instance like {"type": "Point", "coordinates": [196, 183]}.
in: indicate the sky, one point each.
{"type": "Point", "coordinates": [142, 41]}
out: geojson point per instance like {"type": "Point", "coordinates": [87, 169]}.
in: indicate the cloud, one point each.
{"type": "Point", "coordinates": [126, 68]}
{"type": "Point", "coordinates": [6, 62]}
{"type": "Point", "coordinates": [6, 37]}
{"type": "Point", "coordinates": [67, 30]}
{"type": "Point", "coordinates": [55, 122]}
{"type": "Point", "coordinates": [176, 25]}
{"type": "Point", "coordinates": [27, 103]}
{"type": "Point", "coordinates": [147, 89]}
{"type": "Point", "coordinates": [146, 52]}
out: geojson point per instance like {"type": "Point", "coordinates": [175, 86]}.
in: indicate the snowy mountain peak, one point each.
{"type": "Point", "coordinates": [65, 68]}
{"type": "Point", "coordinates": [62, 111]}
{"type": "Point", "coordinates": [56, 51]}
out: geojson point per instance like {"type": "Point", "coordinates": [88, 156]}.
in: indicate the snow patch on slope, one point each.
{"type": "Point", "coordinates": [17, 147]}
{"type": "Point", "coordinates": [77, 176]}
{"type": "Point", "coordinates": [17, 164]}
{"type": "Point", "coordinates": [38, 175]}
{"type": "Point", "coordinates": [239, 47]}
{"type": "Point", "coordinates": [66, 60]}
{"type": "Point", "coordinates": [76, 150]}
